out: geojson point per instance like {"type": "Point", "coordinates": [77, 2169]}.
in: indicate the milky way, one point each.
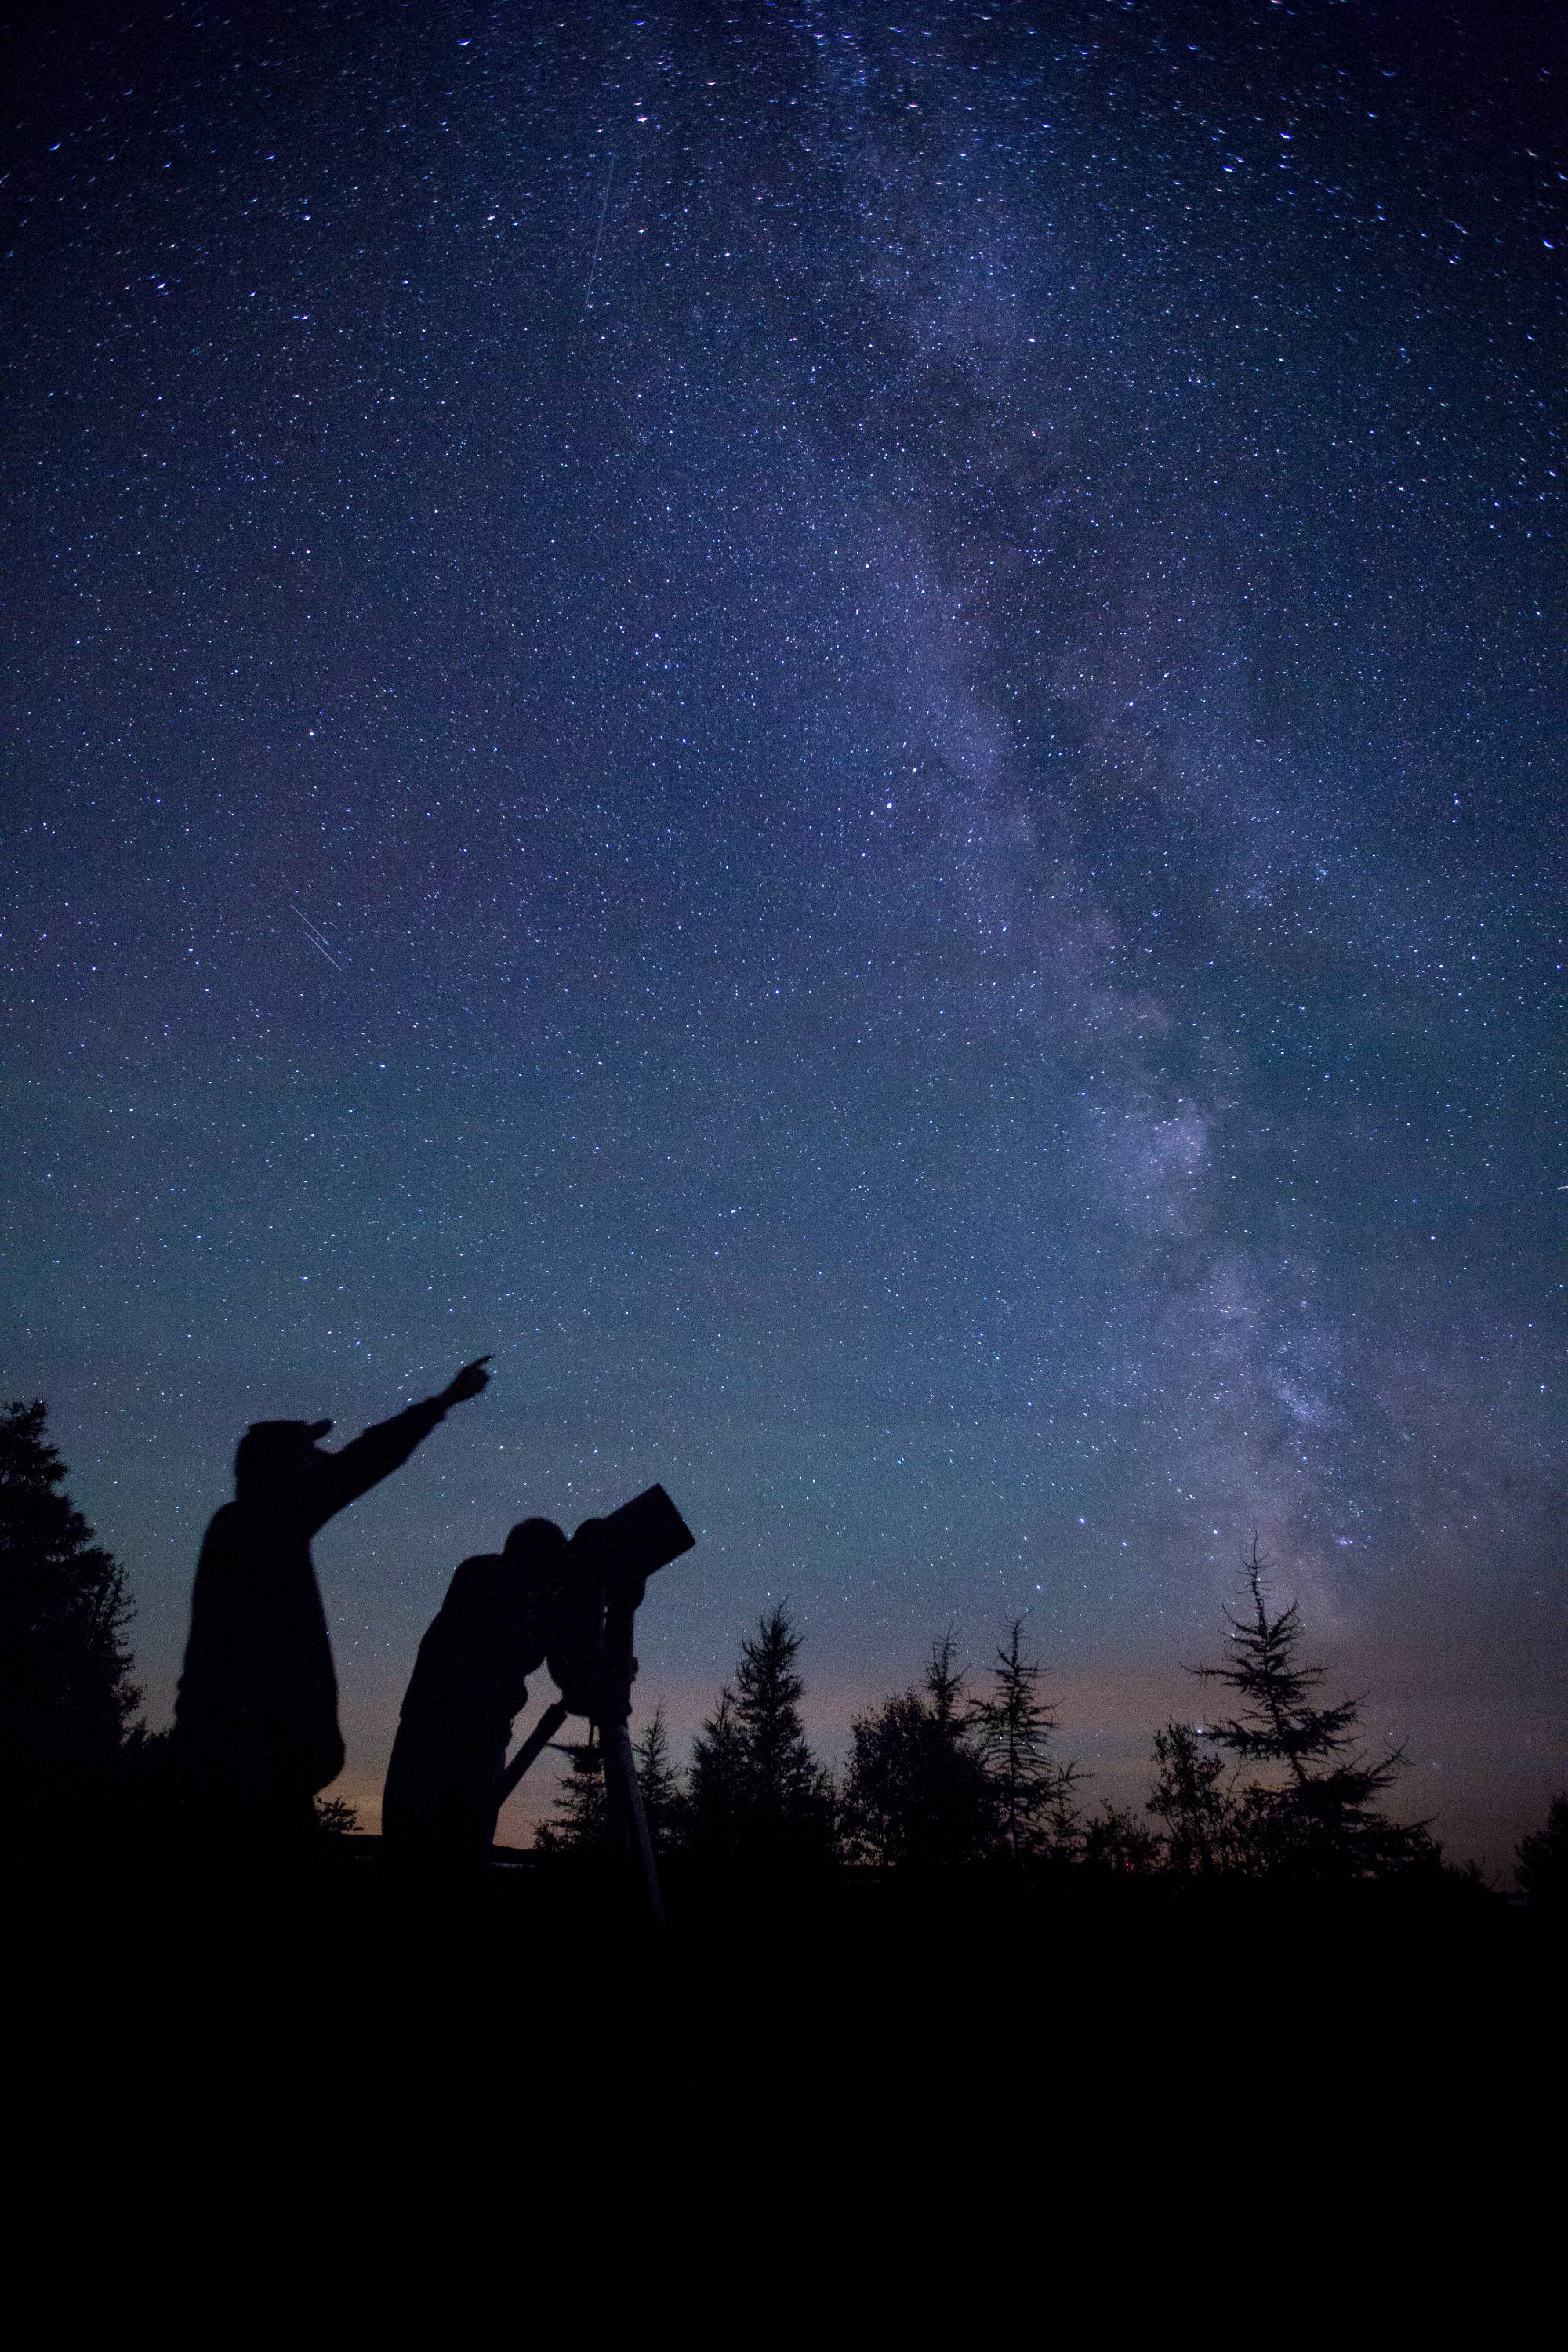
{"type": "Point", "coordinates": [837, 722]}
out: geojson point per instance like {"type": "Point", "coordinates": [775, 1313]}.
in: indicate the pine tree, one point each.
{"type": "Point", "coordinates": [1541, 1871]}
{"type": "Point", "coordinates": [789, 1798]}
{"type": "Point", "coordinates": [65, 1695]}
{"type": "Point", "coordinates": [717, 1801]}
{"type": "Point", "coordinates": [663, 1798]}
{"type": "Point", "coordinates": [917, 1794]}
{"type": "Point", "coordinates": [759, 1797]}
{"type": "Point", "coordinates": [1320, 1820]}
{"type": "Point", "coordinates": [1200, 1819]}
{"type": "Point", "coordinates": [1013, 1728]}
{"type": "Point", "coordinates": [945, 1698]}
{"type": "Point", "coordinates": [580, 1823]}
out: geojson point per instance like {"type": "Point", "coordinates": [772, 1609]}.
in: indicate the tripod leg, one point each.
{"type": "Point", "coordinates": [538, 1739]}
{"type": "Point", "coordinates": [621, 1779]}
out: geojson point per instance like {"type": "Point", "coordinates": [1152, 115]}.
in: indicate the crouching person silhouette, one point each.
{"type": "Point", "coordinates": [503, 1614]}
{"type": "Point", "coordinates": [256, 1718]}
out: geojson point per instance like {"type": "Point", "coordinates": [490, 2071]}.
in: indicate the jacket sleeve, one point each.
{"type": "Point", "coordinates": [373, 1456]}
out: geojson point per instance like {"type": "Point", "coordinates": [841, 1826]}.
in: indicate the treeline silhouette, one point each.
{"type": "Point", "coordinates": [960, 1774]}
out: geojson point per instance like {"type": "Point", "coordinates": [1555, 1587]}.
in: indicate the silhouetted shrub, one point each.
{"type": "Point", "coordinates": [917, 1794]}
{"type": "Point", "coordinates": [1202, 1834]}
{"type": "Point", "coordinates": [336, 1818]}
{"type": "Point", "coordinates": [1117, 1845]}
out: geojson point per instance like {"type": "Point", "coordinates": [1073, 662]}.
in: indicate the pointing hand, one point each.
{"type": "Point", "coordinates": [470, 1382]}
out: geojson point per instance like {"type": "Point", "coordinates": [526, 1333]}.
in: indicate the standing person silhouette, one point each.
{"type": "Point", "coordinates": [256, 1718]}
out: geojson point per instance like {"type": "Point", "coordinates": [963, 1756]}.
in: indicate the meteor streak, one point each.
{"type": "Point", "coordinates": [318, 941]}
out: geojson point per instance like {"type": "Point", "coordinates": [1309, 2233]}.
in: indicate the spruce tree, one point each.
{"type": "Point", "coordinates": [917, 1794]}
{"type": "Point", "coordinates": [759, 1798]}
{"type": "Point", "coordinates": [1319, 1819]}
{"type": "Point", "coordinates": [1541, 1869]}
{"type": "Point", "coordinates": [663, 1798]}
{"type": "Point", "coordinates": [1014, 1727]}
{"type": "Point", "coordinates": [943, 1684]}
{"type": "Point", "coordinates": [65, 1695]}
{"type": "Point", "coordinates": [716, 1804]}
{"type": "Point", "coordinates": [789, 1798]}
{"type": "Point", "coordinates": [581, 1820]}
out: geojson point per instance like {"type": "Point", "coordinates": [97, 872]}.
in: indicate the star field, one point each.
{"type": "Point", "coordinates": [838, 723]}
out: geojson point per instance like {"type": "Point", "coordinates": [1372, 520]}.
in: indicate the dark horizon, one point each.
{"type": "Point", "coordinates": [841, 728]}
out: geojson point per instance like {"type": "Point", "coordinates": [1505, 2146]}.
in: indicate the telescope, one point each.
{"type": "Point", "coordinates": [610, 1561]}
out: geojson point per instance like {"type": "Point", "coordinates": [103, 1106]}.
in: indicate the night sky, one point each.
{"type": "Point", "coordinates": [835, 721]}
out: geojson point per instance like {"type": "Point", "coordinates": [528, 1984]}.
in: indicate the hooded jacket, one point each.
{"type": "Point", "coordinates": [255, 1718]}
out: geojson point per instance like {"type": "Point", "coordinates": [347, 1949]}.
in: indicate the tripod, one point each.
{"type": "Point", "coordinates": [597, 1681]}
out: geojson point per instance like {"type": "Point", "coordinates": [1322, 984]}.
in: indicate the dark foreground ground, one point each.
{"type": "Point", "coordinates": [542, 1968]}
{"type": "Point", "coordinates": [1100, 2087]}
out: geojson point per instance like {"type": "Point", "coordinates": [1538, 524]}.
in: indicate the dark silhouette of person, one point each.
{"type": "Point", "coordinates": [504, 1614]}
{"type": "Point", "coordinates": [255, 1719]}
